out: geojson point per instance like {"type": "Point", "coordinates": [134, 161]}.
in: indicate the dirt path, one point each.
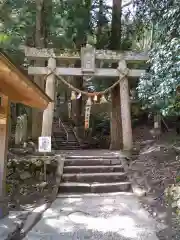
{"type": "Point", "coordinates": [159, 164]}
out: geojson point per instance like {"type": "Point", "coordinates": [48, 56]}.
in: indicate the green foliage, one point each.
{"type": "Point", "coordinates": [158, 24]}
{"type": "Point", "coordinates": [157, 87]}
{"type": "Point", "coordinates": [100, 124]}
{"type": "Point", "coordinates": [70, 19]}
{"type": "Point", "coordinates": [18, 20]}
{"type": "Point", "coordinates": [4, 38]}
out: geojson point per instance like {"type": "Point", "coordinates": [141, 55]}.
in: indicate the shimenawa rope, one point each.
{"type": "Point", "coordinates": [123, 75]}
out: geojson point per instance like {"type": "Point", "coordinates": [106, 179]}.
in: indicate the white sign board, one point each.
{"type": "Point", "coordinates": [44, 144]}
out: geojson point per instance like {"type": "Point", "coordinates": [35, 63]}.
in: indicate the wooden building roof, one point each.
{"type": "Point", "coordinates": [15, 84]}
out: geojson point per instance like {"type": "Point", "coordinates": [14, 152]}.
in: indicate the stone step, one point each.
{"type": "Point", "coordinates": [60, 135]}
{"type": "Point", "coordinates": [70, 138]}
{"type": "Point", "coordinates": [63, 142]}
{"type": "Point", "coordinates": [58, 131]}
{"type": "Point", "coordinates": [57, 140]}
{"type": "Point", "coordinates": [61, 130]}
{"type": "Point", "coordinates": [93, 169]}
{"type": "Point", "coordinates": [91, 161]}
{"type": "Point", "coordinates": [94, 177]}
{"type": "Point", "coordinates": [79, 195]}
{"type": "Point", "coordinates": [67, 144]}
{"type": "Point", "coordinates": [68, 147]}
{"type": "Point", "coordinates": [62, 138]}
{"type": "Point", "coordinates": [91, 157]}
{"type": "Point", "coordinates": [74, 187]}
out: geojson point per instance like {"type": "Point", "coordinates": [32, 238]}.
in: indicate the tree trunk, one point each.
{"type": "Point", "coordinates": [99, 25]}
{"type": "Point", "coordinates": [80, 41]}
{"type": "Point", "coordinates": [40, 43]}
{"type": "Point", "coordinates": [115, 44]}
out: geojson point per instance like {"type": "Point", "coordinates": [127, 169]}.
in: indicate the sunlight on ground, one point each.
{"type": "Point", "coordinates": [107, 217]}
{"type": "Point", "coordinates": [40, 208]}
{"type": "Point", "coordinates": [50, 213]}
{"type": "Point", "coordinates": [3, 226]}
{"type": "Point", "coordinates": [129, 223]}
{"type": "Point", "coordinates": [123, 224]}
{"type": "Point", "coordinates": [71, 200]}
{"type": "Point", "coordinates": [152, 149]}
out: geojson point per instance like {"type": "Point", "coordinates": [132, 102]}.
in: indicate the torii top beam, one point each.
{"type": "Point", "coordinates": [104, 55]}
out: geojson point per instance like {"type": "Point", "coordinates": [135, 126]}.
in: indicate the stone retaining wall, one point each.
{"type": "Point", "coordinates": [32, 176]}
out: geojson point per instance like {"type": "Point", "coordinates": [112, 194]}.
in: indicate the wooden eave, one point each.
{"type": "Point", "coordinates": [18, 87]}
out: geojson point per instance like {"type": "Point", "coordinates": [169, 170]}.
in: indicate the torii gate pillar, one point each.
{"type": "Point", "coordinates": [125, 108]}
{"type": "Point", "coordinates": [50, 91]}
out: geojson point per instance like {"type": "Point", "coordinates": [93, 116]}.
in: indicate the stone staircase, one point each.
{"type": "Point", "coordinates": [63, 136]}
{"type": "Point", "coordinates": [93, 174]}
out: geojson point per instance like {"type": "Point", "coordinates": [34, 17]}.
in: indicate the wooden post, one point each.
{"type": "Point", "coordinates": [50, 91]}
{"type": "Point", "coordinates": [125, 109]}
{"type": "Point", "coordinates": [3, 151]}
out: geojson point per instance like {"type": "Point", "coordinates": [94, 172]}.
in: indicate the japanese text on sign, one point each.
{"type": "Point", "coordinates": [44, 144]}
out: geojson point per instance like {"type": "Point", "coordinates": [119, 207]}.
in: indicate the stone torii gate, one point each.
{"type": "Point", "coordinates": [88, 56]}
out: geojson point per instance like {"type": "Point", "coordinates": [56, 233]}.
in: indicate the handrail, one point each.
{"type": "Point", "coordinates": [61, 123]}
{"type": "Point", "coordinates": [75, 134]}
